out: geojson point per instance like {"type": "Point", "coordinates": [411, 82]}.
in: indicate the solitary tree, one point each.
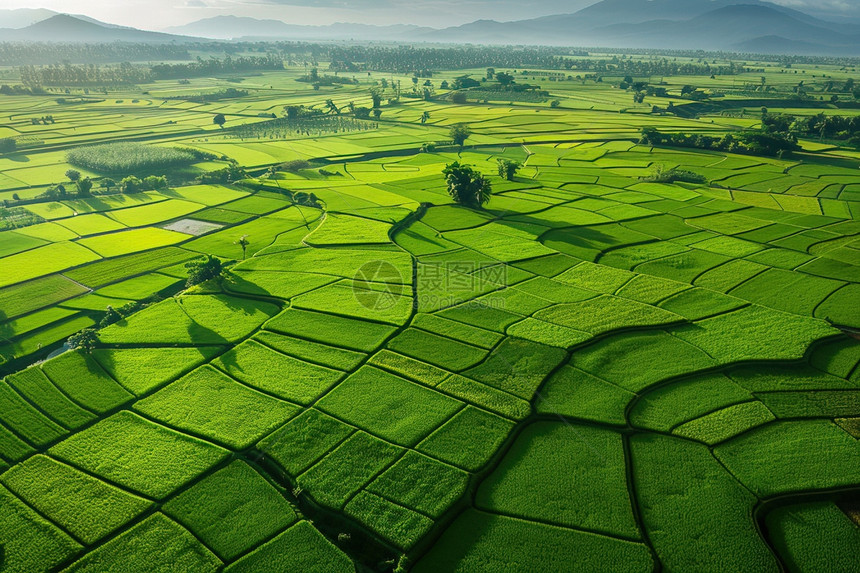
{"type": "Point", "coordinates": [466, 186]}
{"type": "Point", "coordinates": [505, 79]}
{"type": "Point", "coordinates": [131, 184]}
{"type": "Point", "coordinates": [243, 242]}
{"type": "Point", "coordinates": [219, 120]}
{"type": "Point", "coordinates": [86, 340]}
{"type": "Point", "coordinates": [376, 97]}
{"type": "Point", "coordinates": [460, 133]}
{"type": "Point", "coordinates": [8, 145]}
{"type": "Point", "coordinates": [203, 270]}
{"type": "Point", "coordinates": [425, 117]}
{"type": "Point", "coordinates": [73, 175]}
{"type": "Point", "coordinates": [508, 168]}
{"type": "Point", "coordinates": [85, 185]}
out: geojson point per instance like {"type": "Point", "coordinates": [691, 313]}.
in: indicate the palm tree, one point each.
{"type": "Point", "coordinates": [243, 242]}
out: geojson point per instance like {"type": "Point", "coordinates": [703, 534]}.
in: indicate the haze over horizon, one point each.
{"type": "Point", "coordinates": [161, 14]}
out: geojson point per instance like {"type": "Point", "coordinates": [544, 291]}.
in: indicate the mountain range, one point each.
{"type": "Point", "coordinates": [737, 25]}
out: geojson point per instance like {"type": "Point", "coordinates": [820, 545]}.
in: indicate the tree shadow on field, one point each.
{"type": "Point", "coordinates": [97, 205]}
{"type": "Point", "coordinates": [6, 330]}
{"type": "Point", "coordinates": [17, 157]}
{"type": "Point", "coordinates": [170, 193]}
{"type": "Point", "coordinates": [200, 334]}
{"type": "Point", "coordinates": [234, 282]}
{"type": "Point", "coordinates": [577, 236]}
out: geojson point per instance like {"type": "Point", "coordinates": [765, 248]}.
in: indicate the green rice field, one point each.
{"type": "Point", "coordinates": [595, 371]}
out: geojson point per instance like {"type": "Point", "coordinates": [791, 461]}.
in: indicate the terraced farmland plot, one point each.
{"type": "Point", "coordinates": [43, 261]}
{"type": "Point", "coordinates": [593, 372]}
{"type": "Point", "coordinates": [155, 213]}
{"type": "Point", "coordinates": [132, 241]}
{"type": "Point", "coordinates": [208, 403]}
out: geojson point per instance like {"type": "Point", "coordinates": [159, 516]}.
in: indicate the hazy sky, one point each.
{"type": "Point", "coordinates": [158, 14]}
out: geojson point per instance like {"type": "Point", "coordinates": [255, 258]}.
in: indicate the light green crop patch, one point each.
{"type": "Point", "coordinates": [67, 497]}
{"type": "Point", "coordinates": [209, 403]}
{"type": "Point", "coordinates": [232, 510]}
{"type": "Point", "coordinates": [138, 454]}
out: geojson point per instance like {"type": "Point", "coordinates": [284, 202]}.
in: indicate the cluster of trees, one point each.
{"type": "Point", "coordinates": [229, 93]}
{"type": "Point", "coordinates": [655, 67]}
{"type": "Point", "coordinates": [460, 133]}
{"type": "Point", "coordinates": [213, 66]}
{"type": "Point", "coordinates": [67, 74]}
{"type": "Point", "coordinates": [125, 73]}
{"type": "Point", "coordinates": [8, 145]}
{"type": "Point", "coordinates": [34, 53]}
{"type": "Point", "coordinates": [410, 59]}
{"type": "Point", "coordinates": [314, 78]}
{"type": "Point", "coordinates": [44, 120]}
{"type": "Point", "coordinates": [132, 184]}
{"type": "Point", "coordinates": [229, 174]}
{"type": "Point", "coordinates": [202, 270]}
{"type": "Point", "coordinates": [641, 89]}
{"type": "Point", "coordinates": [18, 89]}
{"type": "Point", "coordinates": [508, 168]}
{"type": "Point", "coordinates": [746, 142]}
{"type": "Point", "coordinates": [505, 87]}
{"type": "Point", "coordinates": [307, 125]}
{"type": "Point", "coordinates": [466, 186]}
{"type": "Point", "coordinates": [663, 175]}
{"type": "Point", "coordinates": [422, 60]}
{"type": "Point", "coordinates": [83, 186]}
{"type": "Point", "coordinates": [818, 126]}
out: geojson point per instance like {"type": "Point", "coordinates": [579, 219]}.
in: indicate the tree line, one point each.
{"type": "Point", "coordinates": [68, 74]}
{"type": "Point", "coordinates": [423, 61]}
{"type": "Point", "coordinates": [746, 142]}
{"type": "Point", "coordinates": [819, 126]}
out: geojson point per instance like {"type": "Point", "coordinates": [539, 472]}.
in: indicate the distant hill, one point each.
{"type": "Point", "coordinates": [610, 12]}
{"type": "Point", "coordinates": [729, 27]}
{"type": "Point", "coordinates": [229, 27]}
{"type": "Point", "coordinates": [673, 24]}
{"type": "Point", "coordinates": [732, 25]}
{"type": "Point", "coordinates": [236, 27]}
{"type": "Point", "coordinates": [23, 17]}
{"type": "Point", "coordinates": [66, 28]}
